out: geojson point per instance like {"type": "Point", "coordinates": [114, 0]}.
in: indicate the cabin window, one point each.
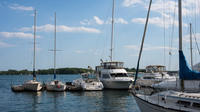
{"type": "Point", "coordinates": [105, 76]}
{"type": "Point", "coordinates": [119, 75]}
{"type": "Point", "coordinates": [196, 105]}
{"type": "Point", "coordinates": [184, 103]}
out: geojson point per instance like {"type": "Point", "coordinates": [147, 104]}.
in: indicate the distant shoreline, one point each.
{"type": "Point", "coordinates": [63, 71]}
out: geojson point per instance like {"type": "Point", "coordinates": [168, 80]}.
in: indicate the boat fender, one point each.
{"type": "Point", "coordinates": [58, 86]}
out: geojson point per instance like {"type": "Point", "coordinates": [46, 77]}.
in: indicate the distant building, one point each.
{"type": "Point", "coordinates": [155, 68]}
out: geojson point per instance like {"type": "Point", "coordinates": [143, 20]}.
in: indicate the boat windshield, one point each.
{"type": "Point", "coordinates": [119, 75]}
{"type": "Point", "coordinates": [89, 77]}
{"type": "Point", "coordinates": [112, 65]}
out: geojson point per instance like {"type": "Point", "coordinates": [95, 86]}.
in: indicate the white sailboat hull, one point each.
{"type": "Point", "coordinates": [146, 106]}
{"type": "Point", "coordinates": [51, 86]}
{"type": "Point", "coordinates": [32, 86]}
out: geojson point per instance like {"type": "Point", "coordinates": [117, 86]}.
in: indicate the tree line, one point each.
{"type": "Point", "coordinates": [58, 71]}
{"type": "Point", "coordinates": [46, 71]}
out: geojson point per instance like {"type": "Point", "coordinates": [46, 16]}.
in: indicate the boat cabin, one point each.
{"type": "Point", "coordinates": [155, 68]}
{"type": "Point", "coordinates": [109, 70]}
{"type": "Point", "coordinates": [112, 65]}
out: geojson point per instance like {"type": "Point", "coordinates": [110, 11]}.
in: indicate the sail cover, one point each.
{"type": "Point", "coordinates": [185, 73]}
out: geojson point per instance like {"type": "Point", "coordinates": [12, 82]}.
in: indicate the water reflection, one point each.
{"type": "Point", "coordinates": [90, 101]}
{"type": "Point", "coordinates": [102, 101]}
{"type": "Point", "coordinates": [55, 100]}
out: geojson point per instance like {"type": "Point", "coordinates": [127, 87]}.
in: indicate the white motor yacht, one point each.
{"type": "Point", "coordinates": [113, 75]}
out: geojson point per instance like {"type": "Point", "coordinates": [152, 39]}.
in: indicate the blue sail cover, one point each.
{"type": "Point", "coordinates": [185, 73]}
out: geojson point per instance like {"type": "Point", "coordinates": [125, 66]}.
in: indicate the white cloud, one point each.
{"type": "Point", "coordinates": [186, 38]}
{"type": "Point", "coordinates": [166, 10]}
{"type": "Point", "coordinates": [16, 35]}
{"type": "Point", "coordinates": [158, 21]}
{"type": "Point", "coordinates": [128, 3]}
{"type": "Point", "coordinates": [98, 20]}
{"type": "Point", "coordinates": [121, 21]}
{"type": "Point", "coordinates": [20, 7]}
{"type": "Point", "coordinates": [3, 44]}
{"type": "Point", "coordinates": [85, 22]}
{"type": "Point", "coordinates": [61, 28]}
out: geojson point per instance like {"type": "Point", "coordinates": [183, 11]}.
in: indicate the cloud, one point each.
{"type": "Point", "coordinates": [158, 21]}
{"type": "Point", "coordinates": [3, 44]}
{"type": "Point", "coordinates": [98, 20]}
{"type": "Point", "coordinates": [20, 7]}
{"type": "Point", "coordinates": [147, 47]}
{"type": "Point", "coordinates": [128, 3]}
{"type": "Point", "coordinates": [166, 10]}
{"type": "Point", "coordinates": [16, 35]}
{"type": "Point", "coordinates": [85, 22]}
{"type": "Point", "coordinates": [61, 28]}
{"type": "Point", "coordinates": [186, 38]}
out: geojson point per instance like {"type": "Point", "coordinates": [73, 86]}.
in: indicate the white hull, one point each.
{"type": "Point", "coordinates": [55, 87]}
{"type": "Point", "coordinates": [88, 86]}
{"type": "Point", "coordinates": [116, 84]}
{"type": "Point", "coordinates": [93, 86]}
{"type": "Point", "coordinates": [51, 86]}
{"type": "Point", "coordinates": [32, 86]}
{"type": "Point", "coordinates": [146, 106]}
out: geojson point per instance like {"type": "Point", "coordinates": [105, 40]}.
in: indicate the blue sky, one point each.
{"type": "Point", "coordinates": [84, 31]}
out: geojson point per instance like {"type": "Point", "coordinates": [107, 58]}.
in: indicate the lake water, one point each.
{"type": "Point", "coordinates": [92, 101]}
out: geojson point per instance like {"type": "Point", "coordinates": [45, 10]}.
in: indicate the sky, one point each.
{"type": "Point", "coordinates": [84, 32]}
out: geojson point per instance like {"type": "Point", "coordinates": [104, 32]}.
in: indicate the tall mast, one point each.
{"type": "Point", "coordinates": [180, 38]}
{"type": "Point", "coordinates": [55, 49]}
{"type": "Point", "coordinates": [34, 74]}
{"type": "Point", "coordinates": [143, 38]}
{"type": "Point", "coordinates": [191, 45]}
{"type": "Point", "coordinates": [112, 32]}
{"type": "Point", "coordinates": [180, 24]}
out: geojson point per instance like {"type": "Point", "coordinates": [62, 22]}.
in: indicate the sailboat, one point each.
{"type": "Point", "coordinates": [33, 85]}
{"type": "Point", "coordinates": [150, 100]}
{"type": "Point", "coordinates": [190, 85]}
{"type": "Point", "coordinates": [55, 85]}
{"type": "Point", "coordinates": [112, 73]}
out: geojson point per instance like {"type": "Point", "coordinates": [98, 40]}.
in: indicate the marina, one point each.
{"type": "Point", "coordinates": [86, 101]}
{"type": "Point", "coordinates": [105, 65]}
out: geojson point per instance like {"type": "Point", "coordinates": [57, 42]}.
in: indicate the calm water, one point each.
{"type": "Point", "coordinates": [98, 101]}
